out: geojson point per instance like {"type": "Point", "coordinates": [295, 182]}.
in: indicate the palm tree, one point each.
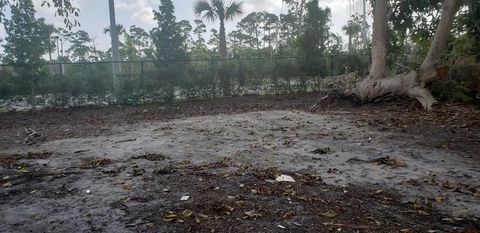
{"type": "Point", "coordinates": [352, 29]}
{"type": "Point", "coordinates": [216, 9]}
{"type": "Point", "coordinates": [119, 28]}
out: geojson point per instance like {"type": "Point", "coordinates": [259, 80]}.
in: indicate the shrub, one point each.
{"type": "Point", "coordinates": [451, 90]}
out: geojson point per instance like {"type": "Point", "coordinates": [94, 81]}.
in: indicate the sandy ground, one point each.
{"type": "Point", "coordinates": [132, 180]}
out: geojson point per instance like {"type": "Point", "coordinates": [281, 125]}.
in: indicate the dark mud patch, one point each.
{"type": "Point", "coordinates": [250, 202]}
{"type": "Point", "coordinates": [152, 157]}
{"type": "Point", "coordinates": [6, 160]}
{"type": "Point", "coordinates": [223, 196]}
{"type": "Point", "coordinates": [95, 163]}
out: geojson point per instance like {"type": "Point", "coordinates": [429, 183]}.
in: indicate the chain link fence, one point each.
{"type": "Point", "coordinates": [91, 83]}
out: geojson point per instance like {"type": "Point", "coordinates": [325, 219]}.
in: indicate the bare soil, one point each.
{"type": "Point", "coordinates": [389, 167]}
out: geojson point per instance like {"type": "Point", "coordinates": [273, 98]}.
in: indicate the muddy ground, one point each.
{"type": "Point", "coordinates": [389, 167]}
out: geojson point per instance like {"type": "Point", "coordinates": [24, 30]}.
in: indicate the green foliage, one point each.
{"type": "Point", "coordinates": [251, 25]}
{"type": "Point", "coordinates": [167, 37]}
{"type": "Point", "coordinates": [419, 17]}
{"type": "Point", "coordinates": [7, 82]}
{"type": "Point", "coordinates": [451, 90]}
{"type": "Point", "coordinates": [463, 46]}
{"type": "Point", "coordinates": [216, 9]}
{"type": "Point", "coordinates": [169, 42]}
{"type": "Point", "coordinates": [79, 49]}
{"type": "Point", "coordinates": [85, 79]}
{"type": "Point", "coordinates": [314, 39]}
{"type": "Point", "coordinates": [28, 39]}
{"type": "Point", "coordinates": [471, 20]}
{"type": "Point", "coordinates": [353, 30]}
{"type": "Point", "coordinates": [185, 28]}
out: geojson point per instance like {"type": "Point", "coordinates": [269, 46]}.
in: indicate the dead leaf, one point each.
{"type": "Point", "coordinates": [378, 192]}
{"type": "Point", "coordinates": [187, 213]}
{"type": "Point", "coordinates": [453, 220]}
{"type": "Point", "coordinates": [422, 213]}
{"type": "Point", "coordinates": [288, 215]}
{"type": "Point", "coordinates": [7, 185]}
{"type": "Point", "coordinates": [240, 203]}
{"type": "Point", "coordinates": [170, 217]}
{"type": "Point", "coordinates": [461, 212]}
{"type": "Point", "coordinates": [228, 208]}
{"type": "Point", "coordinates": [477, 195]}
{"type": "Point", "coordinates": [329, 214]}
{"type": "Point", "coordinates": [252, 214]}
{"type": "Point", "coordinates": [127, 187]}
{"type": "Point", "coordinates": [389, 161]}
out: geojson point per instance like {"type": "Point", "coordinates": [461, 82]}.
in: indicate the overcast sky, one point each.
{"type": "Point", "coordinates": [94, 14]}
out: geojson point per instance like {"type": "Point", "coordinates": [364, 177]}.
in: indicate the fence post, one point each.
{"type": "Point", "coordinates": [211, 71]}
{"type": "Point", "coordinates": [142, 81]}
{"type": "Point", "coordinates": [275, 74]}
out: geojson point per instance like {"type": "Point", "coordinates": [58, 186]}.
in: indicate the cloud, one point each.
{"type": "Point", "coordinates": [145, 16]}
{"type": "Point", "coordinates": [273, 6]}
{"type": "Point", "coordinates": [122, 5]}
{"type": "Point", "coordinates": [140, 10]}
{"type": "Point", "coordinates": [341, 12]}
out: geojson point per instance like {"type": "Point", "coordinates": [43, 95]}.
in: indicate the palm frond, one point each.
{"type": "Point", "coordinates": [219, 7]}
{"type": "Point", "coordinates": [203, 7]}
{"type": "Point", "coordinates": [233, 10]}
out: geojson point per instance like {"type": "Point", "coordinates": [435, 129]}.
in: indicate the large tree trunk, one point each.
{"type": "Point", "coordinates": [223, 41]}
{"type": "Point", "coordinates": [411, 83]}
{"type": "Point", "coordinates": [380, 36]}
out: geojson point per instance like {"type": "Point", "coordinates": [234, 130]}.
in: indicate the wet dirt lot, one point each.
{"type": "Point", "coordinates": [367, 169]}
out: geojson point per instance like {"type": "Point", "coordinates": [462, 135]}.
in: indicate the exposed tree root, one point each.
{"type": "Point", "coordinates": [411, 83]}
{"type": "Point", "coordinates": [335, 99]}
{"type": "Point", "coordinates": [407, 84]}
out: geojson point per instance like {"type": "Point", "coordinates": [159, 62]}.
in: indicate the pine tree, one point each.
{"type": "Point", "coordinates": [167, 38]}
{"type": "Point", "coordinates": [314, 39]}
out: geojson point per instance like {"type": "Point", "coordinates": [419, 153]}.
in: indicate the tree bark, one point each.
{"type": "Point", "coordinates": [379, 45]}
{"type": "Point", "coordinates": [411, 83]}
{"type": "Point", "coordinates": [223, 41]}
{"type": "Point", "coordinates": [439, 43]}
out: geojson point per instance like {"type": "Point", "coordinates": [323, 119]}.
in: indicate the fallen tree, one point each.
{"type": "Point", "coordinates": [412, 83]}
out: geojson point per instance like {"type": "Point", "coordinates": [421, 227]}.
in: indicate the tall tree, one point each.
{"type": "Point", "coordinates": [314, 39]}
{"type": "Point", "coordinates": [80, 48]}
{"type": "Point", "coordinates": [216, 9]}
{"type": "Point", "coordinates": [166, 37]}
{"type": "Point", "coordinates": [185, 28]}
{"type": "Point", "coordinates": [270, 24]}
{"type": "Point", "coordinates": [141, 40]}
{"type": "Point", "coordinates": [120, 29]}
{"type": "Point", "coordinates": [353, 29]}
{"type": "Point", "coordinates": [295, 15]}
{"type": "Point", "coordinates": [200, 29]}
{"type": "Point", "coordinates": [214, 40]}
{"type": "Point", "coordinates": [199, 49]}
{"type": "Point", "coordinates": [168, 42]}
{"type": "Point", "coordinates": [28, 39]}
{"type": "Point", "coordinates": [251, 24]}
